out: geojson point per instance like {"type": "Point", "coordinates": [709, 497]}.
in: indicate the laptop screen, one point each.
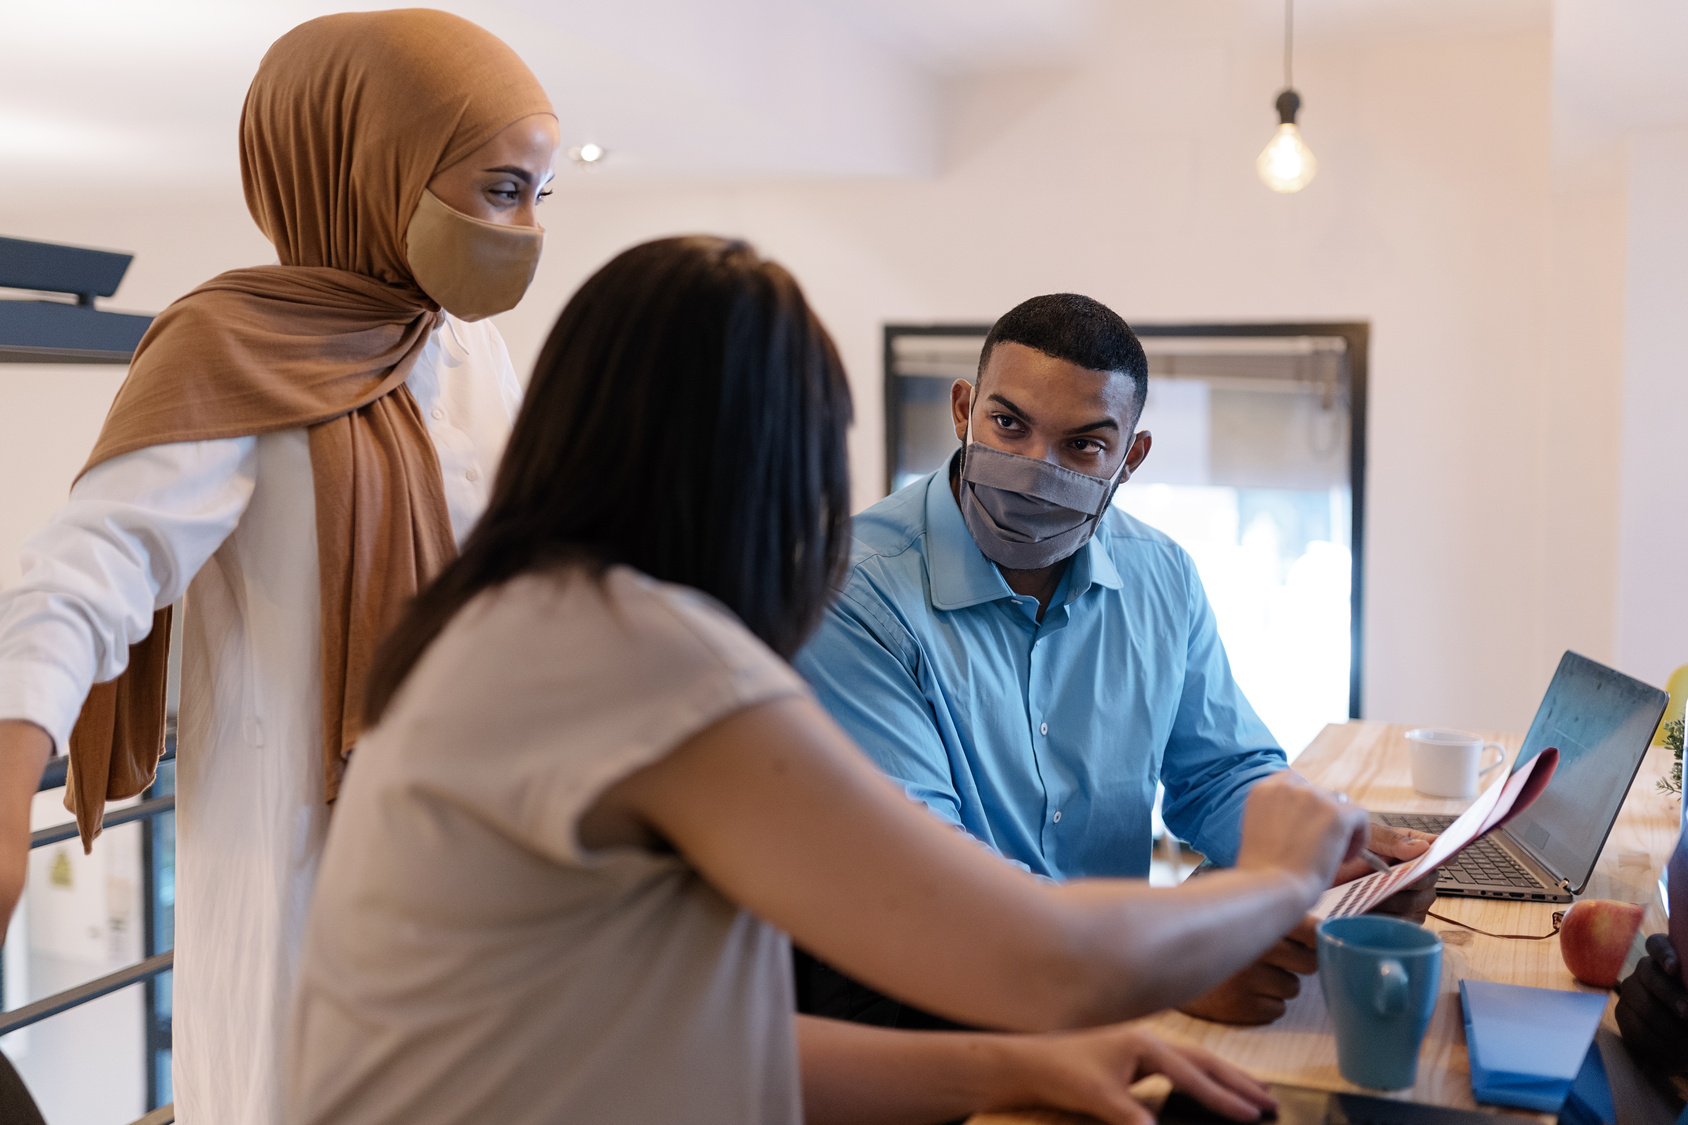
{"type": "Point", "coordinates": [1602, 721]}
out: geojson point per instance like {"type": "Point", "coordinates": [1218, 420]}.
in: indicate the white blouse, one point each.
{"type": "Point", "coordinates": [232, 525]}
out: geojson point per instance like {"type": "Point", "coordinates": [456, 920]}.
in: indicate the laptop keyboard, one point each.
{"type": "Point", "coordinates": [1423, 822]}
{"type": "Point", "coordinates": [1487, 862]}
{"type": "Point", "coordinates": [1482, 863]}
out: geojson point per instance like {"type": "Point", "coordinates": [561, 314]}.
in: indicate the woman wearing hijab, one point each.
{"type": "Point", "coordinates": [556, 883]}
{"type": "Point", "coordinates": [297, 448]}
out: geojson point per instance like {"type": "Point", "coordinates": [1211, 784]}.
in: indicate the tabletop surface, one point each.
{"type": "Point", "coordinates": [1368, 761]}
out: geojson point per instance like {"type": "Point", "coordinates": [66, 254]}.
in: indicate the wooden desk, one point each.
{"type": "Point", "coordinates": [1368, 761]}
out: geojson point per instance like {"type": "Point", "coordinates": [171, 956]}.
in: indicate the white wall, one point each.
{"type": "Point", "coordinates": [1652, 592]}
{"type": "Point", "coordinates": [1438, 215]}
{"type": "Point", "coordinates": [1577, 394]}
{"type": "Point", "coordinates": [1132, 180]}
{"type": "Point", "coordinates": [50, 414]}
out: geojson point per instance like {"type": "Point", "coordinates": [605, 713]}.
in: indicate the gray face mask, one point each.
{"type": "Point", "coordinates": [1026, 514]}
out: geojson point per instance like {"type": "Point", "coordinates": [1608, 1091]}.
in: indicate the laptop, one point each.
{"type": "Point", "coordinates": [1602, 721]}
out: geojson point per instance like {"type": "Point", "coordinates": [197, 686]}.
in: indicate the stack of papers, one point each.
{"type": "Point", "coordinates": [1501, 802]}
{"type": "Point", "coordinates": [1527, 1045]}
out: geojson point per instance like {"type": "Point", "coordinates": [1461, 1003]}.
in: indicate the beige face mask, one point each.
{"type": "Point", "coordinates": [473, 268]}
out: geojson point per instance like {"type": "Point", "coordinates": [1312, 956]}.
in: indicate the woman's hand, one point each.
{"type": "Point", "coordinates": [1092, 1072]}
{"type": "Point", "coordinates": [854, 1074]}
{"type": "Point", "coordinates": [1291, 826]}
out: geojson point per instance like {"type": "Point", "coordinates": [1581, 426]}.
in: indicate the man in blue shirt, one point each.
{"type": "Point", "coordinates": [1029, 661]}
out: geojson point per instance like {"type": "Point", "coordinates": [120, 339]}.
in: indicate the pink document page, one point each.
{"type": "Point", "coordinates": [1498, 804]}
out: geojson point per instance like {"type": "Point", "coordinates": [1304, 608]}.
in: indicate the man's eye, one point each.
{"type": "Point", "coordinates": [1005, 421]}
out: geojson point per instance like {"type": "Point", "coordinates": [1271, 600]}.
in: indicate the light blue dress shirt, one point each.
{"type": "Point", "coordinates": [1045, 741]}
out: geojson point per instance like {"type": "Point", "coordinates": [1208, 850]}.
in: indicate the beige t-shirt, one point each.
{"type": "Point", "coordinates": [466, 960]}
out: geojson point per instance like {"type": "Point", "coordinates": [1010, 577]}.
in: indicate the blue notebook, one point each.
{"type": "Point", "coordinates": [1590, 1101]}
{"type": "Point", "coordinates": [1527, 1044]}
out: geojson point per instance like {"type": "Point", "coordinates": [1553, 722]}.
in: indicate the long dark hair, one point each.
{"type": "Point", "coordinates": [686, 418]}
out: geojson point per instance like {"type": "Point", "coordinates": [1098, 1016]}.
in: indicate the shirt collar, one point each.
{"type": "Point", "coordinates": [1093, 566]}
{"type": "Point", "coordinates": [962, 576]}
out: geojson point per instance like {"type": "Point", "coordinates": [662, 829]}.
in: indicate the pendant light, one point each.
{"type": "Point", "coordinates": [1286, 164]}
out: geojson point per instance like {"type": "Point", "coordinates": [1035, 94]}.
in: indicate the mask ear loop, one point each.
{"type": "Point", "coordinates": [966, 434]}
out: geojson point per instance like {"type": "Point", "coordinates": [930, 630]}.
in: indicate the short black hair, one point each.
{"type": "Point", "coordinates": [1078, 329]}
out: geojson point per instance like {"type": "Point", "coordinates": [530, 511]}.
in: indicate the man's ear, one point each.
{"type": "Point", "coordinates": [1139, 450]}
{"type": "Point", "coordinates": [961, 401]}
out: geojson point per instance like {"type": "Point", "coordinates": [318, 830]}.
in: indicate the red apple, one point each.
{"type": "Point", "coordinates": [1595, 939]}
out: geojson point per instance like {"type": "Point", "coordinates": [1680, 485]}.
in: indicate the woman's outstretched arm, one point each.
{"type": "Point", "coordinates": [784, 816]}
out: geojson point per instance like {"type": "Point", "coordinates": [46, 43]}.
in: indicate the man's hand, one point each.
{"type": "Point", "coordinates": [1260, 992]}
{"type": "Point", "coordinates": [24, 750]}
{"type": "Point", "coordinates": [1412, 902]}
{"type": "Point", "coordinates": [1392, 844]}
{"type": "Point", "coordinates": [1397, 844]}
{"type": "Point", "coordinates": [1652, 1010]}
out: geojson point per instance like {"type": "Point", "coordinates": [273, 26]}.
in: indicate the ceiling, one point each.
{"type": "Point", "coordinates": [1619, 67]}
{"type": "Point", "coordinates": [144, 93]}
{"type": "Point", "coordinates": [141, 96]}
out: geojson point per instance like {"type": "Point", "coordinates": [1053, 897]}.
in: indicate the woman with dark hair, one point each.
{"type": "Point", "coordinates": [592, 789]}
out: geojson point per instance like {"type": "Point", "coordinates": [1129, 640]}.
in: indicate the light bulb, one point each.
{"type": "Point", "coordinates": [587, 153]}
{"type": "Point", "coordinates": [1286, 164]}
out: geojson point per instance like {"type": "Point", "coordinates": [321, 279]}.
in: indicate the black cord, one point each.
{"type": "Point", "coordinates": [1558, 918]}
{"type": "Point", "coordinates": [1289, 44]}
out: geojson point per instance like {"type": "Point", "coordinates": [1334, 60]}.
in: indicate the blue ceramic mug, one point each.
{"type": "Point", "coordinates": [1380, 978]}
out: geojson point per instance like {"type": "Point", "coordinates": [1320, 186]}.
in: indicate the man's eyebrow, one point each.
{"type": "Point", "coordinates": [1010, 407]}
{"type": "Point", "coordinates": [521, 174]}
{"type": "Point", "coordinates": [1099, 424]}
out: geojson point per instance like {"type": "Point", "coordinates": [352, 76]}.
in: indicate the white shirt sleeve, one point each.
{"type": "Point", "coordinates": [136, 530]}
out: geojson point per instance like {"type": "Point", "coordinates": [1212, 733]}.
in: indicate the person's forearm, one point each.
{"type": "Point", "coordinates": [1141, 951]}
{"type": "Point", "coordinates": [24, 750]}
{"type": "Point", "coordinates": [853, 1073]}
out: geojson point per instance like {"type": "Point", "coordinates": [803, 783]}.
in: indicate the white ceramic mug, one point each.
{"type": "Point", "coordinates": [1449, 763]}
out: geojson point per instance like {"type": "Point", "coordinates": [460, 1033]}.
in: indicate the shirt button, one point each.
{"type": "Point", "coordinates": [472, 475]}
{"type": "Point", "coordinates": [1057, 818]}
{"type": "Point", "coordinates": [439, 415]}
{"type": "Point", "coordinates": [1044, 729]}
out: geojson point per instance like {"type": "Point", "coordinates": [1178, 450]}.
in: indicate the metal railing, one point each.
{"type": "Point", "coordinates": [86, 991]}
{"type": "Point", "coordinates": [35, 331]}
{"type": "Point", "coordinates": [53, 777]}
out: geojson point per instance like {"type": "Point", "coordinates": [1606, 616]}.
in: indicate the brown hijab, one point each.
{"type": "Point", "coordinates": [347, 120]}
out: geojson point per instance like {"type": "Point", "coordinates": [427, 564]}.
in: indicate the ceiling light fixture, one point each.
{"type": "Point", "coordinates": [587, 153]}
{"type": "Point", "coordinates": [1286, 164]}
